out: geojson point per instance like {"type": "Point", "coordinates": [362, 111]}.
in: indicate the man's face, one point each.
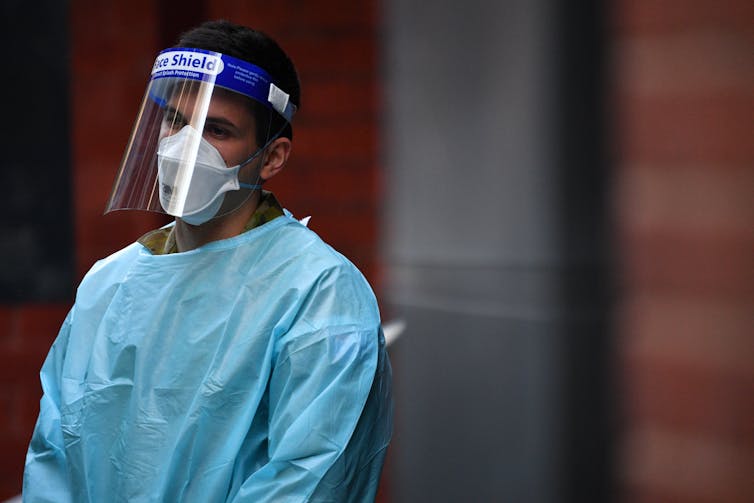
{"type": "Point", "coordinates": [229, 126]}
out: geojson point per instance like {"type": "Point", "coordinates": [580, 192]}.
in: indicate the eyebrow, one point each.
{"type": "Point", "coordinates": [214, 120]}
{"type": "Point", "coordinates": [221, 120]}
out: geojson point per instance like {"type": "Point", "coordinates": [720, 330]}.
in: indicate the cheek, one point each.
{"type": "Point", "coordinates": [236, 152]}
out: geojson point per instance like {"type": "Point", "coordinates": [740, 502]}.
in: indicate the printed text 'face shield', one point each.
{"type": "Point", "coordinates": [199, 139]}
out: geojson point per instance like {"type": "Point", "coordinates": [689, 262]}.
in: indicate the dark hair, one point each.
{"type": "Point", "coordinates": [256, 48]}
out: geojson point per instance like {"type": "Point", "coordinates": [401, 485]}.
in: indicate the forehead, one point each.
{"type": "Point", "coordinates": [192, 98]}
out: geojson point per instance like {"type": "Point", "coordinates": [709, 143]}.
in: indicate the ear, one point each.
{"type": "Point", "coordinates": [277, 155]}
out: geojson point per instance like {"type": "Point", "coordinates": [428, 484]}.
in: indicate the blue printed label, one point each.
{"type": "Point", "coordinates": [180, 63]}
{"type": "Point", "coordinates": [225, 71]}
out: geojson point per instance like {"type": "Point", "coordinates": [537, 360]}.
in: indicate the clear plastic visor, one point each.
{"type": "Point", "coordinates": [195, 151]}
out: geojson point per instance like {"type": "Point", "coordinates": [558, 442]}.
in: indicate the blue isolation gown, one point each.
{"type": "Point", "coordinates": [251, 369]}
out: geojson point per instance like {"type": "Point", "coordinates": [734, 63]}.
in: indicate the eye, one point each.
{"type": "Point", "coordinates": [216, 131]}
{"type": "Point", "coordinates": [172, 119]}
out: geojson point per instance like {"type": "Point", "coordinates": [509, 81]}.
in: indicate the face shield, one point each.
{"type": "Point", "coordinates": [200, 138]}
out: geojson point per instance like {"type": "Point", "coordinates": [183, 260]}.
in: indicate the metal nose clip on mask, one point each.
{"type": "Point", "coordinates": [194, 195]}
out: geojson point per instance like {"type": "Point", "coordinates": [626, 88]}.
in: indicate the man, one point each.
{"type": "Point", "coordinates": [232, 355]}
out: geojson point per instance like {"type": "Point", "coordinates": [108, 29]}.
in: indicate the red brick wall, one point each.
{"type": "Point", "coordinates": [333, 174]}
{"type": "Point", "coordinates": [684, 81]}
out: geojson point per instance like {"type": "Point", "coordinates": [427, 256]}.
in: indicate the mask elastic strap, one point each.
{"type": "Point", "coordinates": [254, 156]}
{"type": "Point", "coordinates": [249, 186]}
{"type": "Point", "coordinates": [269, 142]}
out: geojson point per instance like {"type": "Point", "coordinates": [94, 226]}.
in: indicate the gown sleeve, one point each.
{"type": "Point", "coordinates": [46, 471]}
{"type": "Point", "coordinates": [318, 392]}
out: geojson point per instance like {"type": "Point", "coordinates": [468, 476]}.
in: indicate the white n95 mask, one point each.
{"type": "Point", "coordinates": [193, 176]}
